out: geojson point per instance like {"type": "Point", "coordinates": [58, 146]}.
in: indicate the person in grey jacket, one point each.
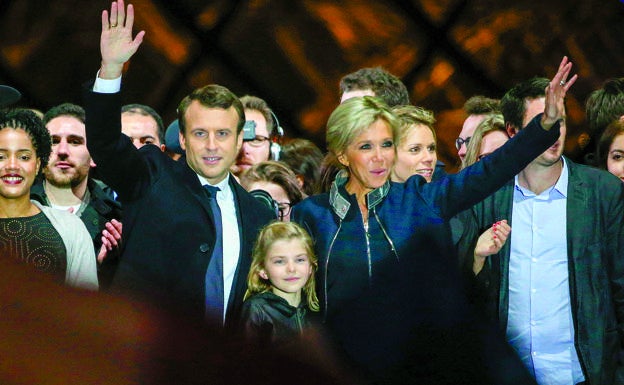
{"type": "Point", "coordinates": [556, 288]}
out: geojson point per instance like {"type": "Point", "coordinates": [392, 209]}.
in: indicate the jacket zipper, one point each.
{"type": "Point", "coordinates": [298, 317]}
{"type": "Point", "coordinates": [368, 253]}
{"type": "Point", "coordinates": [331, 246]}
{"type": "Point", "coordinates": [386, 235]}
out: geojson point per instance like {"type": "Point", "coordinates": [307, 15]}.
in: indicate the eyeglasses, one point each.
{"type": "Point", "coordinates": [257, 141]}
{"type": "Point", "coordinates": [460, 141]}
{"type": "Point", "coordinates": [283, 209]}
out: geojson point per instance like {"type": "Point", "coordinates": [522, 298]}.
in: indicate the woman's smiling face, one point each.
{"type": "Point", "coordinates": [369, 158]}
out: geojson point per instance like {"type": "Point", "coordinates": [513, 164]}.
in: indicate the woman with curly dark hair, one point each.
{"type": "Point", "coordinates": [53, 241]}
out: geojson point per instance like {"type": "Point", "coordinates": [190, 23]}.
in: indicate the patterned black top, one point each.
{"type": "Point", "coordinates": [34, 241]}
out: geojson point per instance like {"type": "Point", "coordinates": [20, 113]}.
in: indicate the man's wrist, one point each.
{"type": "Point", "coordinates": [548, 123]}
{"type": "Point", "coordinates": [110, 71]}
{"type": "Point", "coordinates": [480, 257]}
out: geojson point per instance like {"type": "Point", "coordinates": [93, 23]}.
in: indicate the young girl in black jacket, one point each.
{"type": "Point", "coordinates": [281, 287]}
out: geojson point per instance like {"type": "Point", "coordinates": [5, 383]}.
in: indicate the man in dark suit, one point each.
{"type": "Point", "coordinates": [557, 286]}
{"type": "Point", "coordinates": [184, 248]}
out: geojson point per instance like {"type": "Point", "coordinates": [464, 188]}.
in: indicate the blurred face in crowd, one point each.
{"type": "Point", "coordinates": [211, 140]}
{"type": "Point", "coordinates": [70, 160]}
{"type": "Point", "coordinates": [369, 158]}
{"type": "Point", "coordinates": [491, 142]}
{"type": "Point", "coordinates": [469, 127]}
{"type": "Point", "coordinates": [416, 154]}
{"type": "Point", "coordinates": [254, 151]}
{"type": "Point", "coordinates": [278, 194]}
{"type": "Point", "coordinates": [615, 158]}
{"type": "Point", "coordinates": [141, 129]}
{"type": "Point", "coordinates": [18, 164]}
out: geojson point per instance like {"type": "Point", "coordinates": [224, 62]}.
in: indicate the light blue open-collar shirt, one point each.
{"type": "Point", "coordinates": [540, 326]}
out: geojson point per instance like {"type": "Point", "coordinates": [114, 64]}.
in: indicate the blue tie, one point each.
{"type": "Point", "coordinates": [214, 274]}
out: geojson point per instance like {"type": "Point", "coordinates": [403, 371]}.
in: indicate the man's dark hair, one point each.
{"type": "Point", "coordinates": [305, 159]}
{"type": "Point", "coordinates": [513, 104]}
{"type": "Point", "coordinates": [29, 122]}
{"type": "Point", "coordinates": [255, 103]}
{"type": "Point", "coordinates": [144, 110]}
{"type": "Point", "coordinates": [65, 109]}
{"type": "Point", "coordinates": [212, 96]}
{"type": "Point", "coordinates": [604, 105]}
{"type": "Point", "coordinates": [385, 85]}
{"type": "Point", "coordinates": [480, 105]}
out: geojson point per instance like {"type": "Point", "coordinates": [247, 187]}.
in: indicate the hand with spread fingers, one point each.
{"type": "Point", "coordinates": [490, 242]}
{"type": "Point", "coordinates": [555, 94]}
{"type": "Point", "coordinates": [116, 43]}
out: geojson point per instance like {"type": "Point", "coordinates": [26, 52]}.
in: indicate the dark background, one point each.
{"type": "Point", "coordinates": [293, 53]}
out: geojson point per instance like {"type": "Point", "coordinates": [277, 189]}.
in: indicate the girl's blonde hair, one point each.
{"type": "Point", "coordinates": [278, 231]}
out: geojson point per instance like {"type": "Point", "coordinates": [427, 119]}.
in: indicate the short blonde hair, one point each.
{"type": "Point", "coordinates": [278, 231]}
{"type": "Point", "coordinates": [410, 116]}
{"type": "Point", "coordinates": [353, 117]}
{"type": "Point", "coordinates": [491, 122]}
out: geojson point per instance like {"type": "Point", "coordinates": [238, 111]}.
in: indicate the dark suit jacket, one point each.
{"type": "Point", "coordinates": [595, 240]}
{"type": "Point", "coordinates": [168, 233]}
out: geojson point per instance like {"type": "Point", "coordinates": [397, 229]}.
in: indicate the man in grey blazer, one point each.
{"type": "Point", "coordinates": [557, 286]}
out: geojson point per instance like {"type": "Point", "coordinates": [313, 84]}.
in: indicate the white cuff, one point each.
{"type": "Point", "coordinates": [106, 86]}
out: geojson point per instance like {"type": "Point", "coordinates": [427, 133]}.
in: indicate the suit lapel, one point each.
{"type": "Point", "coordinates": [242, 257]}
{"type": "Point", "coordinates": [503, 209]}
{"type": "Point", "coordinates": [192, 184]}
{"type": "Point", "coordinates": [577, 206]}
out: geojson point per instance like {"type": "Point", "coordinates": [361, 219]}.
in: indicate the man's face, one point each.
{"type": "Point", "coordinates": [255, 151]}
{"type": "Point", "coordinates": [554, 153]}
{"type": "Point", "coordinates": [211, 140]}
{"type": "Point", "coordinates": [355, 93]}
{"type": "Point", "coordinates": [141, 129]}
{"type": "Point", "coordinates": [469, 127]}
{"type": "Point", "coordinates": [70, 160]}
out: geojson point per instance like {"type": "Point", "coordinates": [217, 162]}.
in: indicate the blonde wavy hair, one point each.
{"type": "Point", "coordinates": [279, 231]}
{"type": "Point", "coordinates": [354, 116]}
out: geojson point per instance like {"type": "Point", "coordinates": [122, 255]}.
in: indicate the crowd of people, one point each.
{"type": "Point", "coordinates": [399, 271]}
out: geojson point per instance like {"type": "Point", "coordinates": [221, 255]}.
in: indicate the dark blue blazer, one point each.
{"type": "Point", "coordinates": [168, 230]}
